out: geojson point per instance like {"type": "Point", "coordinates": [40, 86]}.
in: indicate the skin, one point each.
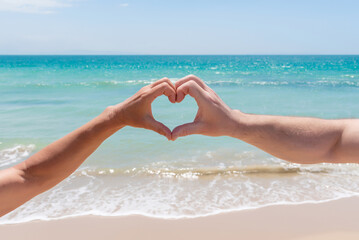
{"type": "Point", "coordinates": [295, 139]}
{"type": "Point", "coordinates": [57, 161]}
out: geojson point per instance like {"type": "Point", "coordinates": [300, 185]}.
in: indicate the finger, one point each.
{"type": "Point", "coordinates": [163, 80]}
{"type": "Point", "coordinates": [191, 78]}
{"type": "Point", "coordinates": [158, 127]}
{"type": "Point", "coordinates": [186, 129]}
{"type": "Point", "coordinates": [191, 88]}
{"type": "Point", "coordinates": [163, 89]}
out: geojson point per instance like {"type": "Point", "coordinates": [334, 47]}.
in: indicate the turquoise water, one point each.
{"type": "Point", "coordinates": [42, 98]}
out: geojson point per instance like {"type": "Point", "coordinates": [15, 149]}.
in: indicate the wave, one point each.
{"type": "Point", "coordinates": [187, 192]}
{"type": "Point", "coordinates": [224, 83]}
{"type": "Point", "coordinates": [283, 169]}
{"type": "Point", "coordinates": [321, 83]}
{"type": "Point", "coordinates": [106, 192]}
{"type": "Point", "coordinates": [183, 188]}
{"type": "Point", "coordinates": [15, 154]}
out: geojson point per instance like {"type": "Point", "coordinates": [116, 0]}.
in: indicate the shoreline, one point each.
{"type": "Point", "coordinates": [329, 220]}
{"type": "Point", "coordinates": [185, 217]}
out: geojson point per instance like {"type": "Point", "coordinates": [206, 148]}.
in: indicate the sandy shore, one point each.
{"type": "Point", "coordinates": [337, 219]}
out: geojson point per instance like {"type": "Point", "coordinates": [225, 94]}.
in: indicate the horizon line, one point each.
{"type": "Point", "coordinates": [57, 54]}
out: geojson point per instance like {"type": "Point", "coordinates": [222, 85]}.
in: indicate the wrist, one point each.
{"type": "Point", "coordinates": [239, 124]}
{"type": "Point", "coordinates": [112, 116]}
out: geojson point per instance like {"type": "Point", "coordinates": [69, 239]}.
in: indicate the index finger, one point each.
{"type": "Point", "coordinates": [191, 78]}
{"type": "Point", "coordinates": [163, 88]}
{"type": "Point", "coordinates": [193, 89]}
{"type": "Point", "coordinates": [166, 80]}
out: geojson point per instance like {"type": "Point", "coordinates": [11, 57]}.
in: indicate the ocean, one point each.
{"type": "Point", "coordinates": [136, 171]}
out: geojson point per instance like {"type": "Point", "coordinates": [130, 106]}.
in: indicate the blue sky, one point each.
{"type": "Point", "coordinates": [179, 27]}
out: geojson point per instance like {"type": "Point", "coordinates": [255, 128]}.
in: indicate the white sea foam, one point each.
{"type": "Point", "coordinates": [327, 81]}
{"type": "Point", "coordinates": [147, 191]}
{"type": "Point", "coordinates": [15, 154]}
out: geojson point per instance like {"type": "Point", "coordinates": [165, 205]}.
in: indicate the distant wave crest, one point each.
{"type": "Point", "coordinates": [223, 83]}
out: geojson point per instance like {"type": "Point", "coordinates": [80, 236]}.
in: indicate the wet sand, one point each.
{"type": "Point", "coordinates": [337, 219]}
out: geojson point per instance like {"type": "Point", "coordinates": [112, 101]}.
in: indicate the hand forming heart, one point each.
{"type": "Point", "coordinates": [214, 117]}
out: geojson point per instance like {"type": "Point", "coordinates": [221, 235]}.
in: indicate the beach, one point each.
{"type": "Point", "coordinates": [130, 120]}
{"type": "Point", "coordinates": [208, 185]}
{"type": "Point", "coordinates": [338, 219]}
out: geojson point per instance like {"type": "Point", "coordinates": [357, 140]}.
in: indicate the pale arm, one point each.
{"type": "Point", "coordinates": [296, 139]}
{"type": "Point", "coordinates": [299, 139]}
{"type": "Point", "coordinates": [57, 161]}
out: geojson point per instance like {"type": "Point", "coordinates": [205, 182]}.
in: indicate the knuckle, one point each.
{"type": "Point", "coordinates": [163, 85]}
{"type": "Point", "coordinates": [192, 84]}
{"type": "Point", "coordinates": [143, 89]}
{"type": "Point", "coordinates": [194, 77]}
{"type": "Point", "coordinates": [167, 81]}
{"type": "Point", "coordinates": [144, 97]}
{"type": "Point", "coordinates": [191, 76]}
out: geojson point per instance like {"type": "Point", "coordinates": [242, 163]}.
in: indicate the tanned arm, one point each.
{"type": "Point", "coordinates": [57, 161]}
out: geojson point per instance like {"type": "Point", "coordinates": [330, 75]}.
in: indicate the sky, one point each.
{"type": "Point", "coordinates": [179, 27]}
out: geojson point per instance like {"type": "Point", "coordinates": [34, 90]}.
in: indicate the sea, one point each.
{"type": "Point", "coordinates": [137, 171]}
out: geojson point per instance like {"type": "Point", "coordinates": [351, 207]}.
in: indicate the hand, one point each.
{"type": "Point", "coordinates": [136, 111]}
{"type": "Point", "coordinates": [214, 117]}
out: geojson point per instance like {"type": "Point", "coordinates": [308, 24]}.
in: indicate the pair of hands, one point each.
{"type": "Point", "coordinates": [214, 117]}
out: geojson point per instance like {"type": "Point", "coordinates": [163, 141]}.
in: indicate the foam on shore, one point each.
{"type": "Point", "coordinates": [173, 190]}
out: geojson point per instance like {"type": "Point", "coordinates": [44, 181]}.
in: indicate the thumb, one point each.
{"type": "Point", "coordinates": [158, 127]}
{"type": "Point", "coordinates": [186, 129]}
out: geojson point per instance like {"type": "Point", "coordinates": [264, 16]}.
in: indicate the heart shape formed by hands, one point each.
{"type": "Point", "coordinates": [213, 118]}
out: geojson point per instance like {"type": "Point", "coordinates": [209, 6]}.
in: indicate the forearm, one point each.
{"type": "Point", "coordinates": [301, 140]}
{"type": "Point", "coordinates": [54, 163]}
{"type": "Point", "coordinates": [62, 157]}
